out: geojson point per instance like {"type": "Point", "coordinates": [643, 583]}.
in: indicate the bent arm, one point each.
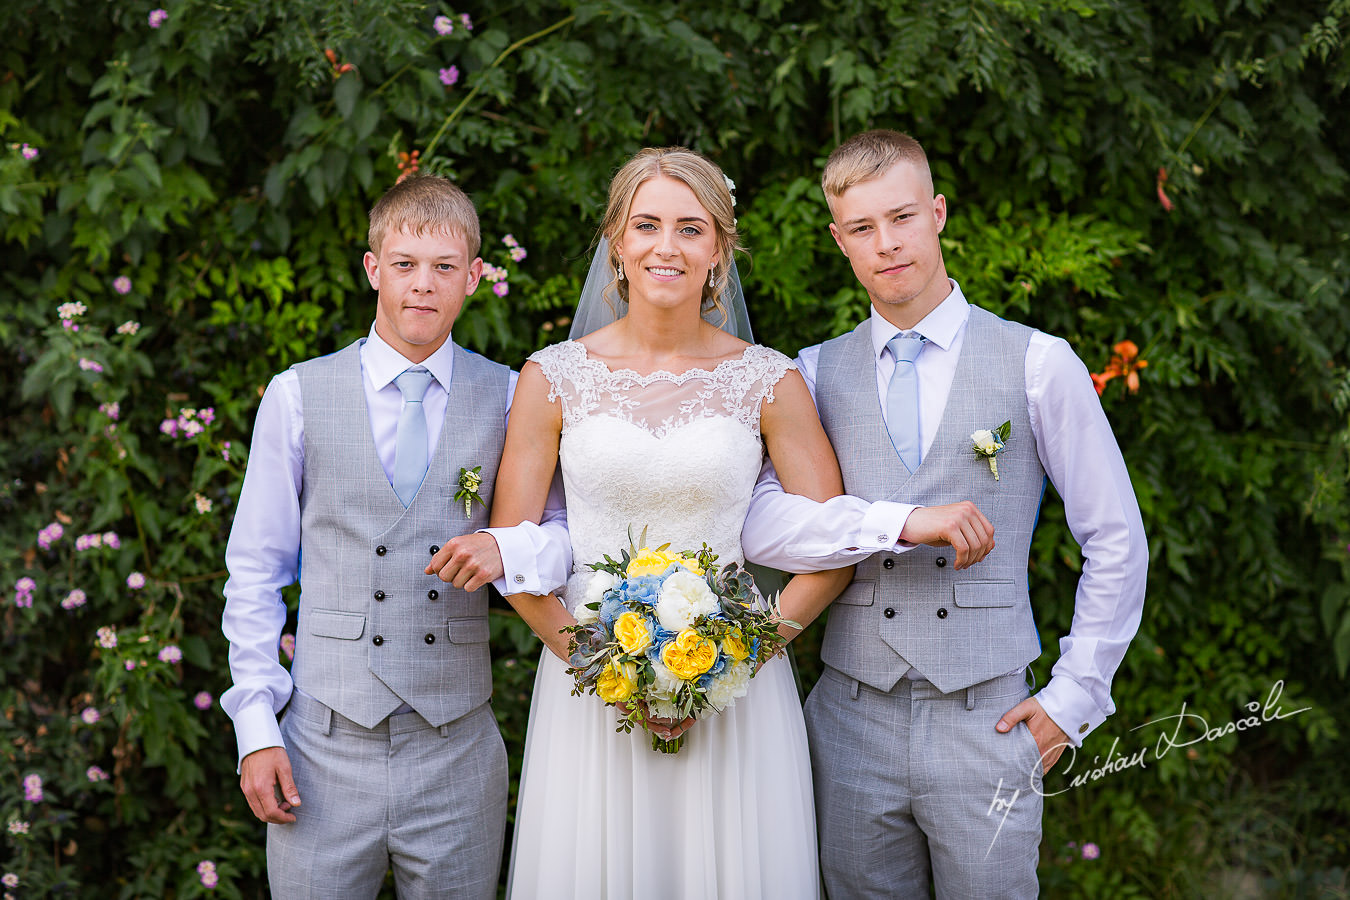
{"type": "Point", "coordinates": [807, 466]}
{"type": "Point", "coordinates": [523, 482]}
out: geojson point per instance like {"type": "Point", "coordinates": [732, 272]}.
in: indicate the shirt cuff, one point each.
{"type": "Point", "coordinates": [256, 728]}
{"type": "Point", "coordinates": [882, 524]}
{"type": "Point", "coordinates": [1071, 708]}
{"type": "Point", "coordinates": [520, 570]}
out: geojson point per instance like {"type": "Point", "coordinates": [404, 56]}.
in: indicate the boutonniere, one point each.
{"type": "Point", "coordinates": [470, 480]}
{"type": "Point", "coordinates": [990, 444]}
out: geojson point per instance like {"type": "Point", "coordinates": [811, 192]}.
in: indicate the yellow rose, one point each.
{"type": "Point", "coordinates": [632, 633]}
{"type": "Point", "coordinates": [654, 562]}
{"type": "Point", "coordinates": [689, 655]}
{"type": "Point", "coordinates": [617, 682]}
{"type": "Point", "coordinates": [734, 645]}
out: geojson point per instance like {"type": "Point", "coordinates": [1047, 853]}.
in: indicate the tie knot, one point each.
{"type": "Point", "coordinates": [906, 347]}
{"type": "Point", "coordinates": [413, 383]}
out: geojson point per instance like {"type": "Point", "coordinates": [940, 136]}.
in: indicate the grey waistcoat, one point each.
{"type": "Point", "coordinates": [374, 631]}
{"type": "Point", "coordinates": [913, 608]}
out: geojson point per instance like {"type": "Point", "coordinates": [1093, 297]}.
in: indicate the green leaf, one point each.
{"type": "Point", "coordinates": [346, 90]}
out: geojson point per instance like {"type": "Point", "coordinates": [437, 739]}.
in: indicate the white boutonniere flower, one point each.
{"type": "Point", "coordinates": [470, 480]}
{"type": "Point", "coordinates": [990, 443]}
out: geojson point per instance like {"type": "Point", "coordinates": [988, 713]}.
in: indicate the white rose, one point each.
{"type": "Point", "coordinates": [684, 597]}
{"type": "Point", "coordinates": [590, 588]}
{"type": "Point", "coordinates": [732, 683]}
{"type": "Point", "coordinates": [664, 682]}
{"type": "Point", "coordinates": [984, 441]}
{"type": "Point", "coordinates": [663, 709]}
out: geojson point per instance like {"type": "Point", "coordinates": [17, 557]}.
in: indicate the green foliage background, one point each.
{"type": "Point", "coordinates": [224, 165]}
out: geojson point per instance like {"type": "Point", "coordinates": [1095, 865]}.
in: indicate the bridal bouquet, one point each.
{"type": "Point", "coordinates": [670, 634]}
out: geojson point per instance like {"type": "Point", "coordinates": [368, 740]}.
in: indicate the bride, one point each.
{"type": "Point", "coordinates": [660, 420]}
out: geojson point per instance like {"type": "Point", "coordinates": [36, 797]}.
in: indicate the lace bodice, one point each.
{"type": "Point", "coordinates": [676, 453]}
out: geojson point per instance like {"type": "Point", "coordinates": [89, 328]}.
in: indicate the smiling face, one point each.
{"type": "Point", "coordinates": [888, 228]}
{"type": "Point", "coordinates": [422, 280]}
{"type": "Point", "coordinates": [668, 244]}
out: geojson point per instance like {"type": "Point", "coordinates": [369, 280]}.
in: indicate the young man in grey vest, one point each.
{"type": "Point", "coordinates": [928, 751]}
{"type": "Point", "coordinates": [388, 754]}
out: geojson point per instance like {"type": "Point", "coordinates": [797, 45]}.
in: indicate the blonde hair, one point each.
{"type": "Point", "coordinates": [702, 176]}
{"type": "Point", "coordinates": [422, 204]}
{"type": "Point", "coordinates": [869, 155]}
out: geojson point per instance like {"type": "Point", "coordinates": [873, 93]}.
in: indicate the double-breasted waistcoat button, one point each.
{"type": "Point", "coordinates": [888, 564]}
{"type": "Point", "coordinates": [381, 550]}
{"type": "Point", "coordinates": [379, 595]}
{"type": "Point", "coordinates": [433, 594]}
{"type": "Point", "coordinates": [888, 613]}
{"type": "Point", "coordinates": [941, 562]}
{"type": "Point", "coordinates": [435, 548]}
{"type": "Point", "coordinates": [377, 640]}
{"type": "Point", "coordinates": [430, 639]}
{"type": "Point", "coordinates": [942, 612]}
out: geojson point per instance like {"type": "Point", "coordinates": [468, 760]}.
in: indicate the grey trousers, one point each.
{"type": "Point", "coordinates": [430, 802]}
{"type": "Point", "coordinates": [915, 786]}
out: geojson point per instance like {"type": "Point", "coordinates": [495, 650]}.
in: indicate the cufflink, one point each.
{"type": "Point", "coordinates": [1082, 729]}
{"type": "Point", "coordinates": [520, 579]}
{"type": "Point", "coordinates": [883, 539]}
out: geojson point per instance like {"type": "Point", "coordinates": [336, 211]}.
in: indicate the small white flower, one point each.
{"type": "Point", "coordinates": [592, 590]}
{"type": "Point", "coordinates": [731, 188]}
{"type": "Point", "coordinates": [734, 682]}
{"type": "Point", "coordinates": [984, 441]}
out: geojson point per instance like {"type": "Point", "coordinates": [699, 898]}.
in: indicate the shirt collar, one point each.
{"type": "Point", "coordinates": [940, 326]}
{"type": "Point", "coordinates": [383, 363]}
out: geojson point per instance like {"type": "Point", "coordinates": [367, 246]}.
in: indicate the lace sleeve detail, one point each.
{"type": "Point", "coordinates": [752, 383]}
{"type": "Point", "coordinates": [571, 379]}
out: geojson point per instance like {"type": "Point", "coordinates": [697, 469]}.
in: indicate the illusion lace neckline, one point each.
{"type": "Point", "coordinates": [660, 374]}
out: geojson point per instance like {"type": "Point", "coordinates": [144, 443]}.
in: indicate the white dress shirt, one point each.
{"type": "Point", "coordinates": [1082, 460]}
{"type": "Point", "coordinates": [263, 553]}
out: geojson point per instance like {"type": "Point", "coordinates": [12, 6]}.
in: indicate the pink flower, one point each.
{"type": "Point", "coordinates": [202, 701]}
{"type": "Point", "coordinates": [89, 542]}
{"type": "Point", "coordinates": [1091, 851]}
{"type": "Point", "coordinates": [90, 365]}
{"type": "Point", "coordinates": [111, 540]}
{"type": "Point", "coordinates": [122, 284]}
{"type": "Point", "coordinates": [468, 23]}
{"type": "Point", "coordinates": [23, 592]}
{"type": "Point", "coordinates": [158, 17]}
{"type": "Point", "coordinates": [107, 637]}
{"type": "Point", "coordinates": [442, 25]}
{"type": "Point", "coordinates": [129, 328]}
{"type": "Point", "coordinates": [205, 866]}
{"type": "Point", "coordinates": [171, 654]}
{"type": "Point", "coordinates": [9, 880]}
{"type": "Point", "coordinates": [203, 504]}
{"type": "Point", "coordinates": [50, 535]}
{"type": "Point", "coordinates": [71, 310]}
{"type": "Point", "coordinates": [288, 645]}
{"type": "Point", "coordinates": [32, 788]}
{"type": "Point", "coordinates": [18, 827]}
{"type": "Point", "coordinates": [225, 451]}
{"type": "Point", "coordinates": [206, 869]}
{"type": "Point", "coordinates": [111, 410]}
{"type": "Point", "coordinates": [90, 716]}
{"type": "Point", "coordinates": [135, 581]}
{"type": "Point", "coordinates": [208, 415]}
{"type": "Point", "coordinates": [510, 240]}
{"type": "Point", "coordinates": [25, 584]}
{"type": "Point", "coordinates": [169, 427]}
{"type": "Point", "coordinates": [74, 600]}
{"type": "Point", "coordinates": [28, 153]}
{"type": "Point", "coordinates": [518, 253]}
{"type": "Point", "coordinates": [449, 76]}
{"type": "Point", "coordinates": [129, 665]}
{"type": "Point", "coordinates": [501, 289]}
{"type": "Point", "coordinates": [95, 774]}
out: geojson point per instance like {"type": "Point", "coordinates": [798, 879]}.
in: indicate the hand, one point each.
{"type": "Point", "coordinates": [960, 525]}
{"type": "Point", "coordinates": [665, 729]}
{"type": "Point", "coordinates": [1049, 739]}
{"type": "Point", "coordinates": [260, 773]}
{"type": "Point", "coordinates": [468, 561]}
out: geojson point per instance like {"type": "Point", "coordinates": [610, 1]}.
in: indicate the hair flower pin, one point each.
{"type": "Point", "coordinates": [989, 443]}
{"type": "Point", "coordinates": [470, 480]}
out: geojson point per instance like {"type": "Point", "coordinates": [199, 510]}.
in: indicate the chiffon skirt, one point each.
{"type": "Point", "coordinates": [603, 816]}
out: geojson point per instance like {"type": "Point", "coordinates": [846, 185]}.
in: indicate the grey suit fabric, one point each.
{"type": "Point", "coordinates": [423, 789]}
{"type": "Point", "coordinates": [901, 762]}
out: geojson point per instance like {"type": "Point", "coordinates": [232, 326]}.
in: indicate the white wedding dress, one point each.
{"type": "Point", "coordinates": [601, 814]}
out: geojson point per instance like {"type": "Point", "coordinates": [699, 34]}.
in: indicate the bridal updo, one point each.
{"type": "Point", "coordinates": [702, 176]}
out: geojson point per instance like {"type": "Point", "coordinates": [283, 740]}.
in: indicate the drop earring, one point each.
{"type": "Point", "coordinates": [619, 266]}
{"type": "Point", "coordinates": [712, 278]}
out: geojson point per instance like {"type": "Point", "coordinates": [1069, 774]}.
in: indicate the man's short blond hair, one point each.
{"type": "Point", "coordinates": [869, 155]}
{"type": "Point", "coordinates": [424, 204]}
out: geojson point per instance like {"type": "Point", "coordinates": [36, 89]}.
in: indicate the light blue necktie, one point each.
{"type": "Point", "coordinates": [902, 398]}
{"type": "Point", "coordinates": [410, 447]}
